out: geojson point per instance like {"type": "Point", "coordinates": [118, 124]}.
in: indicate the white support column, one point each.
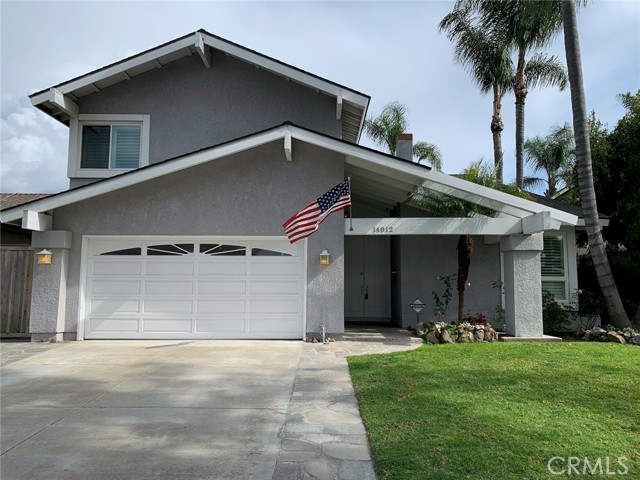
{"type": "Point", "coordinates": [523, 284]}
{"type": "Point", "coordinates": [49, 294]}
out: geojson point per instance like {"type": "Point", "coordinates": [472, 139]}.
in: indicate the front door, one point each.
{"type": "Point", "coordinates": [367, 278]}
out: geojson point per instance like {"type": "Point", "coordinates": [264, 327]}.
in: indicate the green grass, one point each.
{"type": "Point", "coordinates": [500, 411]}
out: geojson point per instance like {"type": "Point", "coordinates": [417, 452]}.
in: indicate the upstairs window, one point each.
{"type": "Point", "coordinates": [105, 145]}
{"type": "Point", "coordinates": [111, 146]}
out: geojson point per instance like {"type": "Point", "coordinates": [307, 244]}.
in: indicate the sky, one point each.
{"type": "Point", "coordinates": [389, 50]}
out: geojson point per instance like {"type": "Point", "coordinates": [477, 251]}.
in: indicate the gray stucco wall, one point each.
{"type": "Point", "coordinates": [193, 107]}
{"type": "Point", "coordinates": [250, 193]}
{"type": "Point", "coordinates": [425, 258]}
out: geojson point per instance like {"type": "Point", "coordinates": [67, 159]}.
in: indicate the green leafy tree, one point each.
{"type": "Point", "coordinates": [392, 121]}
{"type": "Point", "coordinates": [486, 57]}
{"type": "Point", "coordinates": [615, 309]}
{"type": "Point", "coordinates": [553, 155]}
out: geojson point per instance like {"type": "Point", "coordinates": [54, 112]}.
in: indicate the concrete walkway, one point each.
{"type": "Point", "coordinates": [172, 409]}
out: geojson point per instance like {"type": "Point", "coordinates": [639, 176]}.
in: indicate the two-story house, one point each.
{"type": "Point", "coordinates": [184, 162]}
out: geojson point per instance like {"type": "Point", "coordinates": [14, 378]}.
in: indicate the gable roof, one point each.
{"type": "Point", "coordinates": [10, 200]}
{"type": "Point", "coordinates": [59, 101]}
{"type": "Point", "coordinates": [377, 177]}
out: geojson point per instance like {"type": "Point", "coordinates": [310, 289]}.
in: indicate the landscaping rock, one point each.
{"type": "Point", "coordinates": [465, 337]}
{"type": "Point", "coordinates": [445, 337]}
{"type": "Point", "coordinates": [432, 337]}
{"type": "Point", "coordinates": [615, 337]}
{"type": "Point", "coordinates": [635, 340]}
{"type": "Point", "coordinates": [480, 335]}
{"type": "Point", "coordinates": [490, 334]}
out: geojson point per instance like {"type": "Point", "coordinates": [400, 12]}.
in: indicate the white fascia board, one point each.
{"type": "Point", "coordinates": [339, 105]}
{"type": "Point", "coordinates": [285, 71]}
{"type": "Point", "coordinates": [433, 226]}
{"type": "Point", "coordinates": [441, 182]}
{"type": "Point", "coordinates": [509, 201]}
{"type": "Point", "coordinates": [604, 222]}
{"type": "Point", "coordinates": [148, 173]}
{"type": "Point", "coordinates": [116, 69]}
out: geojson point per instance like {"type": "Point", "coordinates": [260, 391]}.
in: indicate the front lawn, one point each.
{"type": "Point", "coordinates": [502, 411]}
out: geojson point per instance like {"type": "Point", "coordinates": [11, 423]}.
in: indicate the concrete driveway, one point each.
{"type": "Point", "coordinates": [180, 409]}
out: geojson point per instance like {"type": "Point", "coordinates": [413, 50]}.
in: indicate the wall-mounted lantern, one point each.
{"type": "Point", "coordinates": [44, 257]}
{"type": "Point", "coordinates": [324, 257]}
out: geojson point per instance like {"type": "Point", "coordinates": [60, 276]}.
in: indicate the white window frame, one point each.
{"type": "Point", "coordinates": [75, 143]}
{"type": "Point", "coordinates": [570, 269]}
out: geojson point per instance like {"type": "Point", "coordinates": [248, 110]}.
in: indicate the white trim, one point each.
{"type": "Point", "coordinates": [38, 222]}
{"type": "Point", "coordinates": [288, 150]}
{"type": "Point", "coordinates": [84, 261]}
{"type": "Point", "coordinates": [116, 69]}
{"type": "Point", "coordinates": [75, 143]}
{"type": "Point", "coordinates": [219, 44]}
{"type": "Point", "coordinates": [339, 105]}
{"type": "Point", "coordinates": [433, 226]}
{"type": "Point", "coordinates": [63, 102]}
{"type": "Point", "coordinates": [305, 284]}
{"type": "Point", "coordinates": [203, 50]}
{"type": "Point", "coordinates": [371, 160]}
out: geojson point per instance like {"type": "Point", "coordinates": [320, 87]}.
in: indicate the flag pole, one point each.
{"type": "Point", "coordinates": [350, 207]}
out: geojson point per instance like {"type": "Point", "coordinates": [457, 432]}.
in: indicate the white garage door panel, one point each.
{"type": "Point", "coordinates": [176, 268]}
{"type": "Point", "coordinates": [169, 287]}
{"type": "Point", "coordinates": [115, 286]}
{"type": "Point", "coordinates": [103, 306]}
{"type": "Point", "coordinates": [221, 325]}
{"type": "Point", "coordinates": [193, 288]}
{"type": "Point", "coordinates": [99, 325]}
{"type": "Point", "coordinates": [221, 287]}
{"type": "Point", "coordinates": [168, 306]}
{"type": "Point", "coordinates": [117, 267]}
{"type": "Point", "coordinates": [222, 306]}
{"type": "Point", "coordinates": [222, 268]}
{"type": "Point", "coordinates": [167, 326]}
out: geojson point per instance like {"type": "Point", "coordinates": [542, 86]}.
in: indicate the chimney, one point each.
{"type": "Point", "coordinates": [404, 146]}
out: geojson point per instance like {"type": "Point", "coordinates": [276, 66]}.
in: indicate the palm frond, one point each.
{"type": "Point", "coordinates": [546, 71]}
{"type": "Point", "coordinates": [428, 152]}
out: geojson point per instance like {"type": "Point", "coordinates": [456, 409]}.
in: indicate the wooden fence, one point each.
{"type": "Point", "coordinates": [16, 274]}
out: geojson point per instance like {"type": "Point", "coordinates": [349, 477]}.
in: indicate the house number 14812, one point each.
{"type": "Point", "coordinates": [382, 229]}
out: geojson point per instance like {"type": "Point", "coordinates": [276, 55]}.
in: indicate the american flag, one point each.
{"type": "Point", "coordinates": [306, 221]}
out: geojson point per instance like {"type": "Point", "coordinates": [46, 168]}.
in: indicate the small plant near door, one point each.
{"type": "Point", "coordinates": [441, 302]}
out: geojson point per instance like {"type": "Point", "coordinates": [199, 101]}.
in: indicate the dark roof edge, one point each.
{"type": "Point", "coordinates": [173, 159]}
{"type": "Point", "coordinates": [186, 36]}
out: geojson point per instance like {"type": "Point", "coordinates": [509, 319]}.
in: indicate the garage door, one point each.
{"type": "Point", "coordinates": [183, 288]}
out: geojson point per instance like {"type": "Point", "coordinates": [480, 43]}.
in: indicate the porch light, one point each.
{"type": "Point", "coordinates": [324, 257]}
{"type": "Point", "coordinates": [44, 257]}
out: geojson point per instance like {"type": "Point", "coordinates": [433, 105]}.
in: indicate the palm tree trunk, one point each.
{"type": "Point", "coordinates": [617, 315]}
{"type": "Point", "coordinates": [496, 129]}
{"type": "Point", "coordinates": [465, 250]}
{"type": "Point", "coordinates": [520, 92]}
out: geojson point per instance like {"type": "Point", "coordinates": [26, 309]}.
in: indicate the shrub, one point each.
{"type": "Point", "coordinates": [555, 317]}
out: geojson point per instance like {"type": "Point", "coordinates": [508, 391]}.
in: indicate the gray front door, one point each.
{"type": "Point", "coordinates": [367, 277]}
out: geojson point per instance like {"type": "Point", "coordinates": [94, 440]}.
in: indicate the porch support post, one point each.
{"type": "Point", "coordinates": [49, 293]}
{"type": "Point", "coordinates": [522, 284]}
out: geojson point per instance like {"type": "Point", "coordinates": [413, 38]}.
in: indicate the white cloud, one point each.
{"type": "Point", "coordinates": [33, 150]}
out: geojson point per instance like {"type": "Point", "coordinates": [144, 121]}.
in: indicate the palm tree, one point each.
{"type": "Point", "coordinates": [385, 128]}
{"type": "Point", "coordinates": [554, 155]}
{"type": "Point", "coordinates": [485, 55]}
{"type": "Point", "coordinates": [615, 309]}
{"type": "Point", "coordinates": [526, 25]}
{"type": "Point", "coordinates": [442, 205]}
